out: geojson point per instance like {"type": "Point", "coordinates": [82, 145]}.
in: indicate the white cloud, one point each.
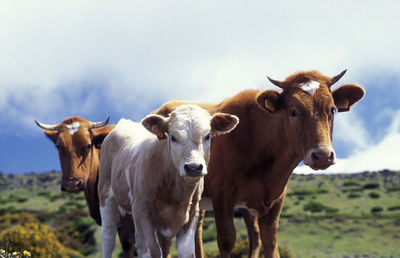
{"type": "Point", "coordinates": [183, 49]}
{"type": "Point", "coordinates": [135, 52]}
{"type": "Point", "coordinates": [350, 131]}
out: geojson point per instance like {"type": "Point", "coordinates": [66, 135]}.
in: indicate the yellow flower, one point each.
{"type": "Point", "coordinates": [15, 253]}
{"type": "Point", "coordinates": [27, 253]}
{"type": "Point", "coordinates": [2, 250]}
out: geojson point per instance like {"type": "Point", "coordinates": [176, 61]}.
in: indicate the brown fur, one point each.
{"type": "Point", "coordinates": [253, 164]}
{"type": "Point", "coordinates": [80, 158]}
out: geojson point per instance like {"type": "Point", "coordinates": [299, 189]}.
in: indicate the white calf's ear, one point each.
{"type": "Point", "coordinates": [223, 123]}
{"type": "Point", "coordinates": [157, 125]}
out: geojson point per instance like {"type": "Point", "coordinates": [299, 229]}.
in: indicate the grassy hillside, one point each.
{"type": "Point", "coordinates": [343, 215]}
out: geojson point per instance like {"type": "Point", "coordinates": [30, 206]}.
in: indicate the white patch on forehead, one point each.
{"type": "Point", "coordinates": [188, 120]}
{"type": "Point", "coordinates": [310, 86]}
{"type": "Point", "coordinates": [73, 128]}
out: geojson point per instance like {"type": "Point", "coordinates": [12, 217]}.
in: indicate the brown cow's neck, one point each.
{"type": "Point", "coordinates": [263, 144]}
{"type": "Point", "coordinates": [91, 193]}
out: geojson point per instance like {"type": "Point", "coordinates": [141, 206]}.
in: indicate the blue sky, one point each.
{"type": "Point", "coordinates": [124, 59]}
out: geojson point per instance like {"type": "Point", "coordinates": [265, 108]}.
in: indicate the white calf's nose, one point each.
{"type": "Point", "coordinates": [193, 169]}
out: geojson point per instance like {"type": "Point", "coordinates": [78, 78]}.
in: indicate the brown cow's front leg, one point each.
{"type": "Point", "coordinates": [253, 233]}
{"type": "Point", "coordinates": [199, 235]}
{"type": "Point", "coordinates": [226, 233]}
{"type": "Point", "coordinates": [269, 229]}
{"type": "Point", "coordinates": [126, 233]}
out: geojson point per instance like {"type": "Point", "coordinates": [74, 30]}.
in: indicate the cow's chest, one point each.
{"type": "Point", "coordinates": [170, 216]}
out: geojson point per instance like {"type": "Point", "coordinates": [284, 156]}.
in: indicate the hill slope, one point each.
{"type": "Point", "coordinates": [341, 215]}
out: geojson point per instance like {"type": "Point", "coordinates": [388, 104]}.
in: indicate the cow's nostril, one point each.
{"type": "Point", "coordinates": [332, 157]}
{"type": "Point", "coordinates": [193, 168]}
{"type": "Point", "coordinates": [314, 156]}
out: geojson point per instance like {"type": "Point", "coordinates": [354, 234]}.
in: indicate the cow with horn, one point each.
{"type": "Point", "coordinates": [78, 142]}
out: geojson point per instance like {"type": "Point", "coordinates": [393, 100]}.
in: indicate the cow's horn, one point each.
{"type": "Point", "coordinates": [99, 124]}
{"type": "Point", "coordinates": [47, 127]}
{"type": "Point", "coordinates": [275, 82]}
{"type": "Point", "coordinates": [337, 77]}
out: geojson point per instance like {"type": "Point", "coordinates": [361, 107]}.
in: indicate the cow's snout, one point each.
{"type": "Point", "coordinates": [72, 185]}
{"type": "Point", "coordinates": [193, 169]}
{"type": "Point", "coordinates": [320, 158]}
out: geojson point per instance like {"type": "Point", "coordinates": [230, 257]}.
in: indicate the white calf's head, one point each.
{"type": "Point", "coordinates": [189, 130]}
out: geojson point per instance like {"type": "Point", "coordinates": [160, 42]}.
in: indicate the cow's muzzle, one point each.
{"type": "Point", "coordinates": [194, 170]}
{"type": "Point", "coordinates": [72, 185]}
{"type": "Point", "coordinates": [320, 158]}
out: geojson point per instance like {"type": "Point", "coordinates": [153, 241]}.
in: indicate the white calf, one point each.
{"type": "Point", "coordinates": [157, 177]}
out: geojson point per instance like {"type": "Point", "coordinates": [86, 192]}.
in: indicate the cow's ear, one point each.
{"type": "Point", "coordinates": [52, 135]}
{"type": "Point", "coordinates": [269, 100]}
{"type": "Point", "coordinates": [346, 95]}
{"type": "Point", "coordinates": [157, 125]}
{"type": "Point", "coordinates": [223, 123]}
{"type": "Point", "coordinates": [100, 133]}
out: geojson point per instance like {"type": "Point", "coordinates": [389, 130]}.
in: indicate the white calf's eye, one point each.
{"type": "Point", "coordinates": [173, 139]}
{"type": "Point", "coordinates": [208, 136]}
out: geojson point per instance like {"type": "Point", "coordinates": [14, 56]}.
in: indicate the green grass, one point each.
{"type": "Point", "coordinates": [344, 227]}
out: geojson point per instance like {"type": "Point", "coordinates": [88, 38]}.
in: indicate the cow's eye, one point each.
{"type": "Point", "coordinates": [173, 139]}
{"type": "Point", "coordinates": [88, 147]}
{"type": "Point", "coordinates": [333, 111]}
{"type": "Point", "coordinates": [208, 136]}
{"type": "Point", "coordinates": [293, 113]}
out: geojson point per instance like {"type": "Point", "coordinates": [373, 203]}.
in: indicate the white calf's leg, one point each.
{"type": "Point", "coordinates": [109, 219]}
{"type": "Point", "coordinates": [186, 238]}
{"type": "Point", "coordinates": [145, 234]}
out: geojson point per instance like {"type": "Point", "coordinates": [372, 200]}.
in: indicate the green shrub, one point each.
{"type": "Point", "coordinates": [285, 252]}
{"type": "Point", "coordinates": [374, 195]}
{"type": "Point", "coordinates": [314, 206]}
{"type": "Point", "coordinates": [350, 183]}
{"type": "Point", "coordinates": [9, 219]}
{"type": "Point", "coordinates": [44, 193]}
{"type": "Point", "coordinates": [210, 234]}
{"type": "Point", "coordinates": [371, 185]}
{"type": "Point", "coordinates": [376, 209]}
{"type": "Point", "coordinates": [55, 197]}
{"type": "Point", "coordinates": [241, 248]}
{"type": "Point", "coordinates": [38, 238]}
{"type": "Point", "coordinates": [15, 198]}
{"type": "Point", "coordinates": [393, 188]}
{"type": "Point", "coordinates": [71, 205]}
{"type": "Point", "coordinates": [394, 208]}
{"type": "Point", "coordinates": [353, 195]}
{"type": "Point", "coordinates": [308, 191]}
{"type": "Point", "coordinates": [331, 209]}
{"type": "Point", "coordinates": [353, 189]}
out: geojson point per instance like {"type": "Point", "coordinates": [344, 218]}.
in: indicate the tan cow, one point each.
{"type": "Point", "coordinates": [154, 170]}
{"type": "Point", "coordinates": [78, 142]}
{"type": "Point", "coordinates": [251, 167]}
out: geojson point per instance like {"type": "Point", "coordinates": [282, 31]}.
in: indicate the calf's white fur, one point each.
{"type": "Point", "coordinates": [154, 170]}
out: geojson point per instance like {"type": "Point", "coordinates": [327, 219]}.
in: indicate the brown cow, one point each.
{"type": "Point", "coordinates": [78, 142]}
{"type": "Point", "coordinates": [251, 167]}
